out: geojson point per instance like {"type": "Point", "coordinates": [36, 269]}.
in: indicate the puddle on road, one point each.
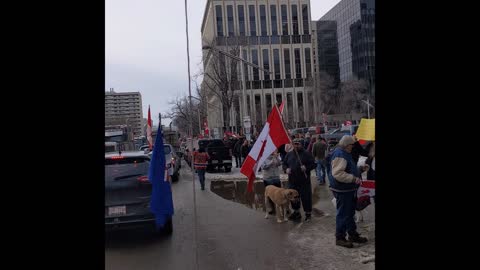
{"type": "Point", "coordinates": [236, 191]}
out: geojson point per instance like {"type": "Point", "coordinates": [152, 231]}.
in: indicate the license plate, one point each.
{"type": "Point", "coordinates": [214, 161]}
{"type": "Point", "coordinates": [117, 210]}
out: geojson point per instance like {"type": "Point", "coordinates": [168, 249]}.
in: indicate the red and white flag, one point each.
{"type": "Point", "coordinates": [281, 107]}
{"type": "Point", "coordinates": [149, 130]}
{"type": "Point", "coordinates": [367, 188]}
{"type": "Point", "coordinates": [272, 136]}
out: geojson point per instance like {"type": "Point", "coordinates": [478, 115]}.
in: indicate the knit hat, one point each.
{"type": "Point", "coordinates": [346, 140]}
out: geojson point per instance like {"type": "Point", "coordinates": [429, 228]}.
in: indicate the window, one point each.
{"type": "Point", "coordinates": [268, 101]}
{"type": "Point", "coordinates": [295, 20]}
{"type": "Point", "coordinates": [275, 40]}
{"type": "Point", "coordinates": [298, 64]}
{"type": "Point", "coordinates": [218, 11]}
{"type": "Point", "coordinates": [276, 63]}
{"type": "Point", "coordinates": [308, 63]}
{"type": "Point", "coordinates": [305, 19]}
{"type": "Point", "coordinates": [266, 63]}
{"type": "Point", "coordinates": [241, 20]}
{"type": "Point", "coordinates": [279, 99]}
{"type": "Point", "coordinates": [231, 32]}
{"type": "Point", "coordinates": [300, 106]}
{"type": "Point", "coordinates": [284, 20]}
{"type": "Point", "coordinates": [273, 17]}
{"type": "Point", "coordinates": [251, 14]}
{"type": "Point", "coordinates": [255, 61]}
{"type": "Point", "coordinates": [263, 20]}
{"type": "Point", "coordinates": [286, 57]}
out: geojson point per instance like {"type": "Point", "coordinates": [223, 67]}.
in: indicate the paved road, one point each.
{"type": "Point", "coordinates": [230, 236]}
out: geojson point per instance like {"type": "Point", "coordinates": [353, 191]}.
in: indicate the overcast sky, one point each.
{"type": "Point", "coordinates": [146, 48]}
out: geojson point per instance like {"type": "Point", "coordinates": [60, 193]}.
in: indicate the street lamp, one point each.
{"type": "Point", "coordinates": [246, 117]}
{"type": "Point", "coordinates": [368, 106]}
{"type": "Point", "coordinates": [198, 111]}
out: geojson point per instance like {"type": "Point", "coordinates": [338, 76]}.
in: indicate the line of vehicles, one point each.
{"type": "Point", "coordinates": [127, 187]}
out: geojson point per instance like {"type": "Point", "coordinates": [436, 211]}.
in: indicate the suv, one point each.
{"type": "Point", "coordinates": [128, 191]}
{"type": "Point", "coordinates": [220, 155]}
{"type": "Point", "coordinates": [172, 161]}
{"type": "Point", "coordinates": [335, 136]}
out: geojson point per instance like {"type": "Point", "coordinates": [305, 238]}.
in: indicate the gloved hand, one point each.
{"type": "Point", "coordinates": [289, 171]}
{"type": "Point", "coordinates": [303, 168]}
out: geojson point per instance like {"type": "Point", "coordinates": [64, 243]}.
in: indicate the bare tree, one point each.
{"type": "Point", "coordinates": [351, 95]}
{"type": "Point", "coordinates": [181, 114]}
{"type": "Point", "coordinates": [221, 77]}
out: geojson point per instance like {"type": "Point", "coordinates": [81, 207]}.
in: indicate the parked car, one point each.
{"type": "Point", "coordinates": [220, 155]}
{"type": "Point", "coordinates": [128, 192]}
{"type": "Point", "coordinates": [171, 161]}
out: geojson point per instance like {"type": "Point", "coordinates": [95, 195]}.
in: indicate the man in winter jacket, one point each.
{"type": "Point", "coordinates": [344, 182]}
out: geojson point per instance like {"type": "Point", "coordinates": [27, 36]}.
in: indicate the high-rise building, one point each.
{"type": "Point", "coordinates": [355, 31]}
{"type": "Point", "coordinates": [326, 49]}
{"type": "Point", "coordinates": [124, 109]}
{"type": "Point", "coordinates": [273, 34]}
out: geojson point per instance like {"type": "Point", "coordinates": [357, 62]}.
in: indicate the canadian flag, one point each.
{"type": "Point", "coordinates": [273, 135]}
{"type": "Point", "coordinates": [367, 187]}
{"type": "Point", "coordinates": [149, 130]}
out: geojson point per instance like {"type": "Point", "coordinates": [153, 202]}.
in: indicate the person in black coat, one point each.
{"type": "Point", "coordinates": [299, 178]}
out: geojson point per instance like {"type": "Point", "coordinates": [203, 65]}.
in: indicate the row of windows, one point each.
{"type": "Point", "coordinates": [253, 57]}
{"type": "Point", "coordinates": [268, 84]}
{"type": "Point", "coordinates": [263, 40]}
{"type": "Point", "coordinates": [266, 20]}
{"type": "Point", "coordinates": [122, 104]}
{"type": "Point", "coordinates": [122, 97]}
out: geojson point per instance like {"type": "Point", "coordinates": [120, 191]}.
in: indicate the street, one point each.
{"type": "Point", "coordinates": [233, 235]}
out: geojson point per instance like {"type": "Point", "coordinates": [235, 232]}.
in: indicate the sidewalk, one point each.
{"type": "Point", "coordinates": [316, 238]}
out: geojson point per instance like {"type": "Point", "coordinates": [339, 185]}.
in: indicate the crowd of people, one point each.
{"type": "Point", "coordinates": [335, 164]}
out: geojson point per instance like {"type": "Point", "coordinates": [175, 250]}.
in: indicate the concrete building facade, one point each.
{"type": "Point", "coordinates": [124, 108]}
{"type": "Point", "coordinates": [273, 34]}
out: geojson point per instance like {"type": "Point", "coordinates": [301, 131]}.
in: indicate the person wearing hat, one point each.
{"type": "Point", "coordinates": [297, 164]}
{"type": "Point", "coordinates": [344, 178]}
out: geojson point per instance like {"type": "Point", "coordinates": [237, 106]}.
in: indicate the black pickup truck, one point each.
{"type": "Point", "coordinates": [220, 154]}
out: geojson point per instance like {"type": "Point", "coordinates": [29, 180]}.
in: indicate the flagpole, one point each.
{"type": "Point", "coordinates": [195, 257]}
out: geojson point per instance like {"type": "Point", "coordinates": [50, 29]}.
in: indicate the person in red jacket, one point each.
{"type": "Point", "coordinates": [200, 162]}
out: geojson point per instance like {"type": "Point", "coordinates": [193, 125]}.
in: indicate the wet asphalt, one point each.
{"type": "Point", "coordinates": [232, 233]}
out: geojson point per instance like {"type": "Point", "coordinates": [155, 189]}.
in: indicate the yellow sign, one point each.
{"type": "Point", "coordinates": [366, 130]}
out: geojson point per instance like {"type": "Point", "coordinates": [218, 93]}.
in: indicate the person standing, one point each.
{"type": "Point", "coordinates": [298, 163]}
{"type": "Point", "coordinates": [245, 149]}
{"type": "Point", "coordinates": [236, 152]}
{"type": "Point", "coordinates": [319, 151]}
{"type": "Point", "coordinates": [271, 170]}
{"type": "Point", "coordinates": [344, 178]}
{"type": "Point", "coordinates": [200, 162]}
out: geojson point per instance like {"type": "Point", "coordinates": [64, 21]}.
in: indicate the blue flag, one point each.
{"type": "Point", "coordinates": [161, 203]}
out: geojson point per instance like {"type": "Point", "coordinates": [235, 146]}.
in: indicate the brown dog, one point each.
{"type": "Point", "coordinates": [281, 197]}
